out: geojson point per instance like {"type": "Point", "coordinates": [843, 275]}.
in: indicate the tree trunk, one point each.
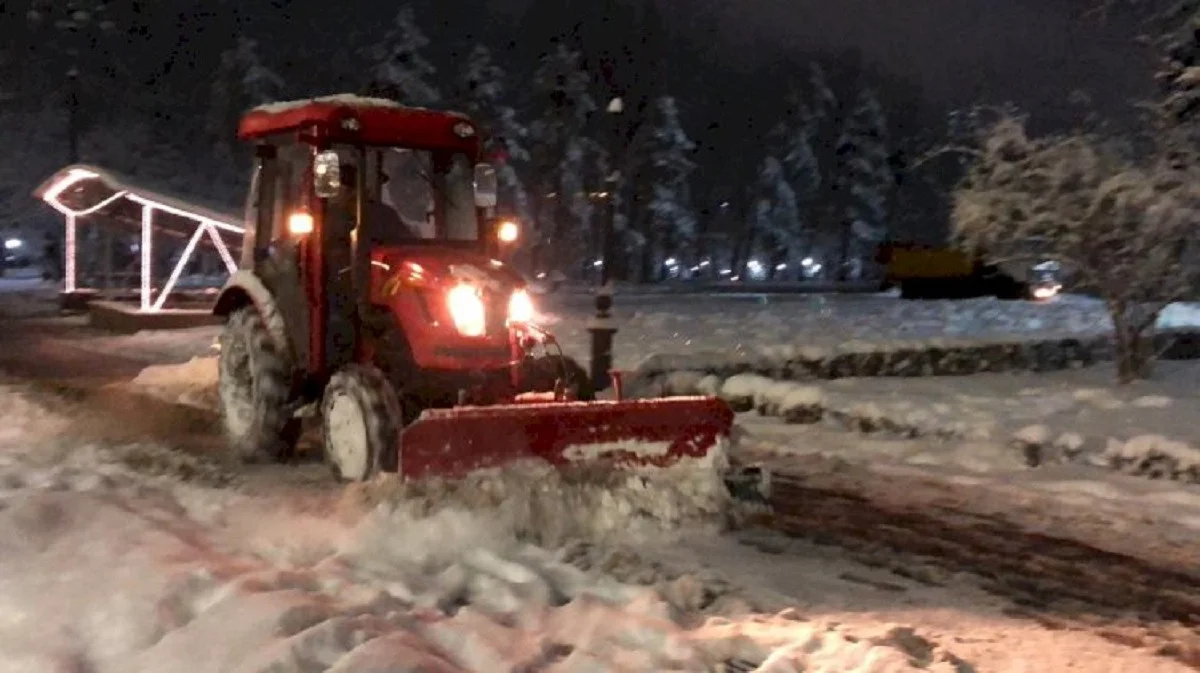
{"type": "Point", "coordinates": [1134, 349]}
{"type": "Point", "coordinates": [843, 269]}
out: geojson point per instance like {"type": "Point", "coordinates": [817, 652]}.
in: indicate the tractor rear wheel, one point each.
{"type": "Point", "coordinates": [361, 422]}
{"type": "Point", "coordinates": [254, 388]}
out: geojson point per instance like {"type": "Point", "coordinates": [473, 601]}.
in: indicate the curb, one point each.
{"type": "Point", "coordinates": [933, 358]}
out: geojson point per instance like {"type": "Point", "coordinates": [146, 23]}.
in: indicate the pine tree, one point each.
{"type": "Point", "coordinates": [867, 177]}
{"type": "Point", "coordinates": [33, 139]}
{"type": "Point", "coordinates": [670, 204]}
{"type": "Point", "coordinates": [776, 214]}
{"type": "Point", "coordinates": [1179, 72]}
{"type": "Point", "coordinates": [796, 136]}
{"type": "Point", "coordinates": [822, 121]}
{"type": "Point", "coordinates": [398, 70]}
{"type": "Point", "coordinates": [70, 39]}
{"type": "Point", "coordinates": [825, 103]}
{"type": "Point", "coordinates": [484, 97]}
{"type": "Point", "coordinates": [242, 82]}
{"type": "Point", "coordinates": [561, 155]}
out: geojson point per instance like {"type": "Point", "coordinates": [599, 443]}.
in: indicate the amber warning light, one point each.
{"type": "Point", "coordinates": [508, 231]}
{"type": "Point", "coordinates": [300, 224]}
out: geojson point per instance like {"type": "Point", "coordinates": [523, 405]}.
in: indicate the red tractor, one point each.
{"type": "Point", "coordinates": [369, 285]}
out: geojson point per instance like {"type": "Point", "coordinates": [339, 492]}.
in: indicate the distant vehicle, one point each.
{"type": "Point", "coordinates": [15, 255]}
{"type": "Point", "coordinates": [928, 272]}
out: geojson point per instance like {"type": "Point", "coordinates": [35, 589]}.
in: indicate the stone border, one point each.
{"type": "Point", "coordinates": [933, 358]}
{"type": "Point", "coordinates": [1148, 456]}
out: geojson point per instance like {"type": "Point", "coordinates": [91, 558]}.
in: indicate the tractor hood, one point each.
{"type": "Point", "coordinates": [432, 267]}
{"type": "Point", "coordinates": [448, 326]}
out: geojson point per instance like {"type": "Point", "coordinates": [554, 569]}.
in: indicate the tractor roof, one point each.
{"type": "Point", "coordinates": [370, 121]}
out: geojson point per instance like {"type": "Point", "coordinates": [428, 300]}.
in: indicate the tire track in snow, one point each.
{"type": "Point", "coordinates": [918, 529]}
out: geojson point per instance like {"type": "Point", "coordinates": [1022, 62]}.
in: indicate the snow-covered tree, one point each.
{"type": "Point", "coordinates": [800, 161]}
{"type": "Point", "coordinates": [562, 154]}
{"type": "Point", "coordinates": [776, 215]}
{"type": "Point", "coordinates": [795, 138]}
{"type": "Point", "coordinates": [484, 96]}
{"type": "Point", "coordinates": [33, 142]}
{"type": "Point", "coordinates": [671, 202]}
{"type": "Point", "coordinates": [1179, 73]}
{"type": "Point", "coordinates": [867, 176]}
{"type": "Point", "coordinates": [821, 117]}
{"type": "Point", "coordinates": [398, 70]}
{"type": "Point", "coordinates": [242, 81]}
{"type": "Point", "coordinates": [825, 103]}
{"type": "Point", "coordinates": [69, 42]}
{"type": "Point", "coordinates": [1126, 226]}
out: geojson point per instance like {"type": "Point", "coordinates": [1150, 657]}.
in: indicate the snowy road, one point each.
{"type": "Point", "coordinates": [1144, 595]}
{"type": "Point", "coordinates": [47, 350]}
{"type": "Point", "coordinates": [875, 568]}
{"type": "Point", "coordinates": [927, 575]}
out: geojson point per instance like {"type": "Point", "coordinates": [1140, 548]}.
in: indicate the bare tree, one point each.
{"type": "Point", "coordinates": [1127, 225]}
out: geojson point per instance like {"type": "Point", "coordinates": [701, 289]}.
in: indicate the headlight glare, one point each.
{"type": "Point", "coordinates": [467, 310]}
{"type": "Point", "coordinates": [520, 308]}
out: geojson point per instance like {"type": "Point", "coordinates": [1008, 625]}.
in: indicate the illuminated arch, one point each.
{"type": "Point", "coordinates": [71, 191]}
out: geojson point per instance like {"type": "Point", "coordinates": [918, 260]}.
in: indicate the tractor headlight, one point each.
{"type": "Point", "coordinates": [467, 311]}
{"type": "Point", "coordinates": [520, 308]}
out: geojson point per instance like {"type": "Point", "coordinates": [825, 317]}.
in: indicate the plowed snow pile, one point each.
{"type": "Point", "coordinates": [547, 506]}
{"type": "Point", "coordinates": [193, 383]}
{"type": "Point", "coordinates": [106, 569]}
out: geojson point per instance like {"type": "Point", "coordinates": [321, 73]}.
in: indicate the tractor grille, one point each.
{"type": "Point", "coordinates": [496, 306]}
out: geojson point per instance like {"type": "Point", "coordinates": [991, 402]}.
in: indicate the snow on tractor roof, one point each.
{"type": "Point", "coordinates": [361, 119]}
{"type": "Point", "coordinates": [346, 99]}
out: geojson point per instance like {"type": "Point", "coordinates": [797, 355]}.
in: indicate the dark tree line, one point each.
{"type": "Point", "coordinates": [702, 171]}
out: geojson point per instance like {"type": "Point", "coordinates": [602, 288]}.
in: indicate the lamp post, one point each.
{"type": "Point", "coordinates": [72, 114]}
{"type": "Point", "coordinates": [602, 327]}
{"type": "Point", "coordinates": [507, 231]}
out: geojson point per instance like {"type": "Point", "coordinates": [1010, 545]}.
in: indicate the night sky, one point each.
{"type": "Point", "coordinates": [958, 52]}
{"type": "Point", "coordinates": [961, 51]}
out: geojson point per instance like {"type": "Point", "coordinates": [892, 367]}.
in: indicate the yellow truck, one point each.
{"type": "Point", "coordinates": [931, 272]}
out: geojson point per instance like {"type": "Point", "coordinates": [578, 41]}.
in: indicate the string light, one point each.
{"type": "Point", "coordinates": [206, 224]}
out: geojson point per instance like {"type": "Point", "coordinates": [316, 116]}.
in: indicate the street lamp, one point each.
{"type": "Point", "coordinates": [602, 327]}
{"type": "Point", "coordinates": [506, 234]}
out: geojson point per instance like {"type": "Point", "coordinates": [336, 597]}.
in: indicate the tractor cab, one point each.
{"type": "Point", "coordinates": [393, 174]}
{"type": "Point", "coordinates": [355, 201]}
{"type": "Point", "coordinates": [369, 289]}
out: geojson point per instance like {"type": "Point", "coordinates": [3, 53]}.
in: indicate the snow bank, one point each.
{"type": "Point", "coordinates": [1011, 420]}
{"type": "Point", "coordinates": [193, 383]}
{"type": "Point", "coordinates": [156, 347]}
{"type": "Point", "coordinates": [704, 327]}
{"type": "Point", "coordinates": [27, 297]}
{"type": "Point", "coordinates": [1156, 457]}
{"type": "Point", "coordinates": [25, 420]}
{"type": "Point", "coordinates": [534, 501]}
{"type": "Point", "coordinates": [1180, 315]}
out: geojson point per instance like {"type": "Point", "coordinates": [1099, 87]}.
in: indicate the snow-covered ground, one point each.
{"type": "Point", "coordinates": [106, 569]}
{"type": "Point", "coordinates": [23, 293]}
{"type": "Point", "coordinates": [263, 572]}
{"type": "Point", "coordinates": [997, 464]}
{"type": "Point", "coordinates": [726, 327]}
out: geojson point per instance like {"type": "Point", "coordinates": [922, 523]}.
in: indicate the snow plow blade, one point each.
{"type": "Point", "coordinates": [451, 443]}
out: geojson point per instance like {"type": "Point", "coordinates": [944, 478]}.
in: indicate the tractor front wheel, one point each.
{"type": "Point", "coordinates": [362, 418]}
{"type": "Point", "coordinates": [254, 387]}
